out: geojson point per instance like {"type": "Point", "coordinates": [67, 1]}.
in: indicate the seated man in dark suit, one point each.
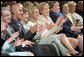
{"type": "Point", "coordinates": [15, 25]}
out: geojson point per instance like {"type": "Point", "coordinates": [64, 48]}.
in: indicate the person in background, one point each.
{"type": "Point", "coordinates": [36, 4]}
{"type": "Point", "coordinates": [79, 9]}
{"type": "Point", "coordinates": [77, 20]}
{"type": "Point", "coordinates": [9, 4]}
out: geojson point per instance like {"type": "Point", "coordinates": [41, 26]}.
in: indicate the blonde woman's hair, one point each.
{"type": "Point", "coordinates": [41, 6]}
{"type": "Point", "coordinates": [36, 4]}
{"type": "Point", "coordinates": [31, 13]}
{"type": "Point", "coordinates": [29, 7]}
{"type": "Point", "coordinates": [25, 10]}
{"type": "Point", "coordinates": [70, 3]}
{"type": "Point", "coordinates": [27, 4]}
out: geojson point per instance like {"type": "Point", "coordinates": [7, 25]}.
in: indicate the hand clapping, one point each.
{"type": "Point", "coordinates": [33, 29]}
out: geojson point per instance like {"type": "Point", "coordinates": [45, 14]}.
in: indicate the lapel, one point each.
{"type": "Point", "coordinates": [71, 19]}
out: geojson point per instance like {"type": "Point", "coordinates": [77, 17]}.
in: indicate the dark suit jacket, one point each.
{"type": "Point", "coordinates": [17, 26]}
{"type": "Point", "coordinates": [54, 16]}
{"type": "Point", "coordinates": [66, 26]}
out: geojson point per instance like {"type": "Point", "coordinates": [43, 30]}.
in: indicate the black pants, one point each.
{"type": "Point", "coordinates": [40, 49]}
{"type": "Point", "coordinates": [45, 50]}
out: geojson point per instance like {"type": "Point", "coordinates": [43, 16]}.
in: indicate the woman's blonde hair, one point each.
{"type": "Point", "coordinates": [32, 12]}
{"type": "Point", "coordinates": [70, 3]}
{"type": "Point", "coordinates": [27, 4]}
{"type": "Point", "coordinates": [41, 6]}
{"type": "Point", "coordinates": [36, 4]}
{"type": "Point", "coordinates": [29, 7]}
{"type": "Point", "coordinates": [25, 10]}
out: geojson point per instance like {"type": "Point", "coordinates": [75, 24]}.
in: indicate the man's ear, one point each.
{"type": "Point", "coordinates": [13, 12]}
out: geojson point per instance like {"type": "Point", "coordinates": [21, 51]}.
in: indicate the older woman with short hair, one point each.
{"type": "Point", "coordinates": [74, 15]}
